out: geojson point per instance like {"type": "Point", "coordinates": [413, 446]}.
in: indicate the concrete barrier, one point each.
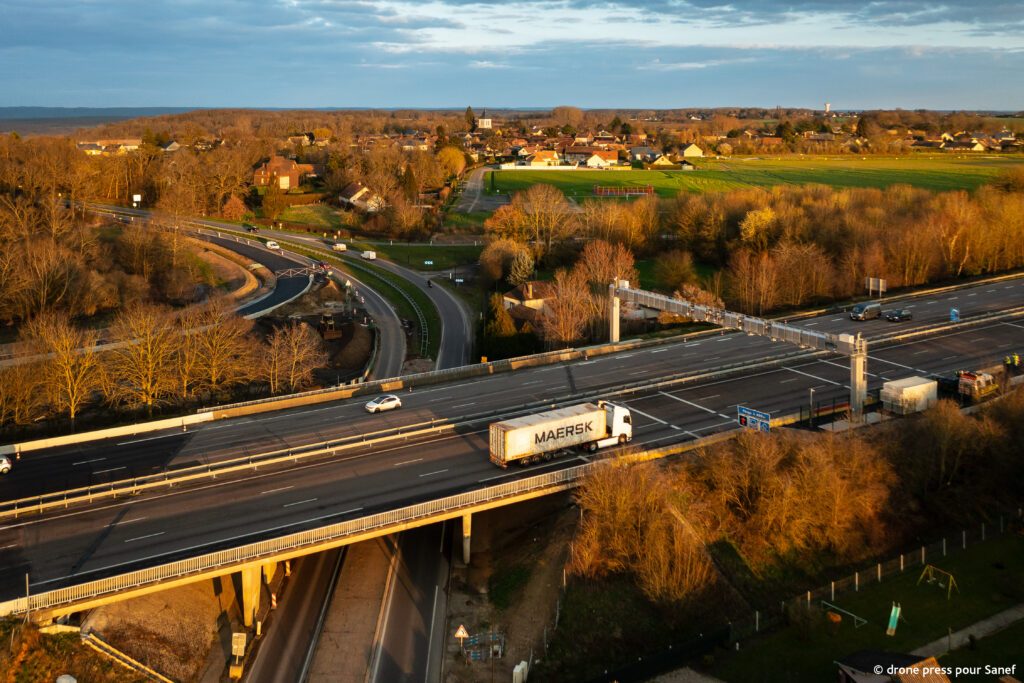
{"type": "Point", "coordinates": [98, 435]}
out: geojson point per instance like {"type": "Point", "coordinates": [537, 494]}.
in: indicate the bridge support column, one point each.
{"type": "Point", "coordinates": [250, 598]}
{"type": "Point", "coordinates": [613, 314]}
{"type": "Point", "coordinates": [467, 532]}
{"type": "Point", "coordinates": [269, 571]}
{"type": "Point", "coordinates": [858, 378]}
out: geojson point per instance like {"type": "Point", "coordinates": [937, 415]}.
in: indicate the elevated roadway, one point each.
{"type": "Point", "coordinates": [113, 536]}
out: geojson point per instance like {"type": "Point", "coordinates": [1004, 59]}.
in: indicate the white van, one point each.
{"type": "Point", "coordinates": [338, 246]}
{"type": "Point", "coordinates": [271, 244]}
{"type": "Point", "coordinates": [370, 255]}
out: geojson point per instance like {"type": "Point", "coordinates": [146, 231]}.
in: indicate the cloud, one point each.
{"type": "Point", "coordinates": [658, 65]}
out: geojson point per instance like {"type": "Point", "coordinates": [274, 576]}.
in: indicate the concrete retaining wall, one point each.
{"type": "Point", "coordinates": [127, 430]}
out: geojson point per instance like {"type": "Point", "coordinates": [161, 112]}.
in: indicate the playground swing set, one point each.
{"type": "Point", "coordinates": [934, 575]}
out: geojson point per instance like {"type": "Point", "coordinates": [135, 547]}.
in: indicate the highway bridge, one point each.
{"type": "Point", "coordinates": [108, 538]}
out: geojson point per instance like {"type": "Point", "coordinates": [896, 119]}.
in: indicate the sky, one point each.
{"type": "Point", "coordinates": [856, 54]}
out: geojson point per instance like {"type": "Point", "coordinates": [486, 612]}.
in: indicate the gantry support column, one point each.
{"type": "Point", "coordinates": [250, 598]}
{"type": "Point", "coordinates": [858, 378]}
{"type": "Point", "coordinates": [613, 314]}
{"type": "Point", "coordinates": [467, 532]}
{"type": "Point", "coordinates": [269, 571]}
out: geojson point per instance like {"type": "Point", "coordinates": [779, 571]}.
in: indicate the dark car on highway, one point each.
{"type": "Point", "coordinates": [899, 315]}
{"type": "Point", "coordinates": [249, 227]}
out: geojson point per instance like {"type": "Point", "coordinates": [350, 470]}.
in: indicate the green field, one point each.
{"type": "Point", "coordinates": [989, 577]}
{"type": "Point", "coordinates": [933, 172]}
{"type": "Point", "coordinates": [317, 215]}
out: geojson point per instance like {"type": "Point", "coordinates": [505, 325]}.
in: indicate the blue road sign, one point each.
{"type": "Point", "coordinates": [753, 419]}
{"type": "Point", "coordinates": [428, 262]}
{"type": "Point", "coordinates": [954, 315]}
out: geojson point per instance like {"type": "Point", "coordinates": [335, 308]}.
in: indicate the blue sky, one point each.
{"type": "Point", "coordinates": [450, 53]}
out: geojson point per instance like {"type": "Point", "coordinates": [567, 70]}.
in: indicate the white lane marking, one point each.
{"type": "Point", "coordinates": [835, 320]}
{"type": "Point", "coordinates": [847, 367]}
{"type": "Point", "coordinates": [807, 374]}
{"type": "Point", "coordinates": [918, 353]}
{"type": "Point", "coordinates": [465, 405]}
{"type": "Point", "coordinates": [953, 298]}
{"type": "Point", "coordinates": [930, 302]}
{"type": "Point", "coordinates": [283, 488]}
{"type": "Point", "coordinates": [972, 294]}
{"type": "Point", "coordinates": [722, 339]}
{"type": "Point", "coordinates": [299, 502]}
{"type": "Point", "coordinates": [909, 305]}
{"type": "Point", "coordinates": [5, 547]}
{"type": "Point", "coordinates": [660, 350]}
{"type": "Point", "coordinates": [712, 358]}
{"type": "Point", "coordinates": [717, 424]}
{"type": "Point", "coordinates": [704, 398]}
{"type": "Point", "coordinates": [690, 403]}
{"type": "Point", "coordinates": [899, 365]}
{"type": "Point", "coordinates": [639, 372]}
{"type": "Point", "coordinates": [787, 381]}
{"type": "Point", "coordinates": [686, 346]}
{"type": "Point", "coordinates": [139, 538]}
{"type": "Point", "coordinates": [587, 362]}
{"type": "Point", "coordinates": [628, 355]}
{"type": "Point", "coordinates": [648, 415]}
{"type": "Point", "coordinates": [810, 324]}
{"type": "Point", "coordinates": [1008, 287]}
{"type": "Point", "coordinates": [407, 462]}
{"type": "Point", "coordinates": [86, 462]}
{"type": "Point", "coordinates": [112, 469]}
{"type": "Point", "coordinates": [132, 521]}
{"type": "Point", "coordinates": [536, 381]}
{"type": "Point", "coordinates": [151, 438]}
{"type": "Point", "coordinates": [433, 473]}
{"type": "Point", "coordinates": [1015, 325]}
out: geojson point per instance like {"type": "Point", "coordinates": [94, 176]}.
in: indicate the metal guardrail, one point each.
{"type": "Point", "coordinates": [422, 319]}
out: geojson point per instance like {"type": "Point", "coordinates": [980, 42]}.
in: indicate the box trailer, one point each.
{"type": "Point", "coordinates": [909, 395]}
{"type": "Point", "coordinates": [542, 436]}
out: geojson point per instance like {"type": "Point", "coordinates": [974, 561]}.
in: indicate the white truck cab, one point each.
{"type": "Point", "coordinates": [618, 425]}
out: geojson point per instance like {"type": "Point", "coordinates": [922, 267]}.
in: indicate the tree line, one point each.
{"type": "Point", "coordinates": [153, 358]}
{"type": "Point", "coordinates": [798, 501]}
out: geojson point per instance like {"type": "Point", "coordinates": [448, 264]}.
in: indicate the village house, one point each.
{"type": "Point", "coordinates": [283, 173]}
{"type": "Point", "coordinates": [692, 151]}
{"type": "Point", "coordinates": [527, 301]}
{"type": "Point", "coordinates": [361, 197]}
{"type": "Point", "coordinates": [642, 154]}
{"type": "Point", "coordinates": [544, 157]}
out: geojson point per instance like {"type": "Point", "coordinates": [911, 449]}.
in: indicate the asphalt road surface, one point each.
{"type": "Point", "coordinates": [114, 536]}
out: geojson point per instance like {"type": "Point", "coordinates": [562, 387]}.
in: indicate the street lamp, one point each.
{"type": "Point", "coordinates": [810, 415]}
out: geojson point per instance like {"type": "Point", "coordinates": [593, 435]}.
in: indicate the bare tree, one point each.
{"type": "Point", "coordinates": [224, 347]}
{"type": "Point", "coordinates": [141, 365]}
{"type": "Point", "coordinates": [290, 356]}
{"type": "Point", "coordinates": [71, 372]}
{"type": "Point", "coordinates": [565, 315]}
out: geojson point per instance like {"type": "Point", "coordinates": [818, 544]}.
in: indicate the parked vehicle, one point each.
{"type": "Point", "coordinates": [369, 255]}
{"type": "Point", "coordinates": [866, 311]}
{"type": "Point", "coordinates": [383, 403]}
{"type": "Point", "coordinates": [323, 266]}
{"type": "Point", "coordinates": [5, 464]}
{"type": "Point", "coordinates": [542, 436]}
{"type": "Point", "coordinates": [271, 244]}
{"type": "Point", "coordinates": [898, 315]}
{"type": "Point", "coordinates": [909, 395]}
{"type": "Point", "coordinates": [976, 385]}
{"type": "Point", "coordinates": [338, 246]}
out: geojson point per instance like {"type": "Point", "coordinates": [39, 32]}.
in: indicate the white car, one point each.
{"type": "Point", "coordinates": [382, 403]}
{"type": "Point", "coordinates": [271, 244]}
{"type": "Point", "coordinates": [5, 464]}
{"type": "Point", "coordinates": [338, 246]}
{"type": "Point", "coordinates": [370, 255]}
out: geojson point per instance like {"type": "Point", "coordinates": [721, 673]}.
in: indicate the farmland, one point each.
{"type": "Point", "coordinates": [933, 172]}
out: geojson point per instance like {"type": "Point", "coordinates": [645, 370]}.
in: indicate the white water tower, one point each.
{"type": "Point", "coordinates": [828, 107]}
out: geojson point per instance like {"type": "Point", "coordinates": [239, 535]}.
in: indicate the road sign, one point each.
{"type": "Point", "coordinates": [753, 419]}
{"type": "Point", "coordinates": [459, 280]}
{"type": "Point", "coordinates": [954, 315]}
{"type": "Point", "coordinates": [462, 634]}
{"type": "Point", "coordinates": [428, 262]}
{"type": "Point", "coordinates": [238, 644]}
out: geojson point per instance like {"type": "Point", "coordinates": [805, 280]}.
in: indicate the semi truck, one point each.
{"type": "Point", "coordinates": [542, 436]}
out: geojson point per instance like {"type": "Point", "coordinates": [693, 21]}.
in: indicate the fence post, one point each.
{"type": "Point", "coordinates": [963, 535]}
{"type": "Point", "coordinates": [943, 547]}
{"type": "Point", "coordinates": [879, 572]}
{"type": "Point", "coordinates": [757, 621]}
{"type": "Point", "coordinates": [833, 598]}
{"type": "Point", "coordinates": [856, 582]}
{"type": "Point", "coordinates": [808, 599]}
{"type": "Point", "coordinates": [901, 562]}
{"type": "Point", "coordinates": [922, 554]}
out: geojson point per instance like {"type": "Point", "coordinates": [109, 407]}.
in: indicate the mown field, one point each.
{"type": "Point", "coordinates": [933, 172]}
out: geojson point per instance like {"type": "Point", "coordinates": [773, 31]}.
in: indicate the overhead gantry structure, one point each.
{"type": "Point", "coordinates": [854, 346]}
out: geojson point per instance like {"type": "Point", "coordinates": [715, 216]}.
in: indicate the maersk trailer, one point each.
{"type": "Point", "coordinates": [533, 438]}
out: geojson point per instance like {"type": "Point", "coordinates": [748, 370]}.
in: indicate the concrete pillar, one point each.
{"type": "Point", "coordinates": [250, 598]}
{"type": "Point", "coordinates": [613, 314]}
{"type": "Point", "coordinates": [467, 532]}
{"type": "Point", "coordinates": [269, 570]}
{"type": "Point", "coordinates": [858, 378]}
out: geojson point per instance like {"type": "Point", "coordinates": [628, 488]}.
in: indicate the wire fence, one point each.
{"type": "Point", "coordinates": [679, 654]}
